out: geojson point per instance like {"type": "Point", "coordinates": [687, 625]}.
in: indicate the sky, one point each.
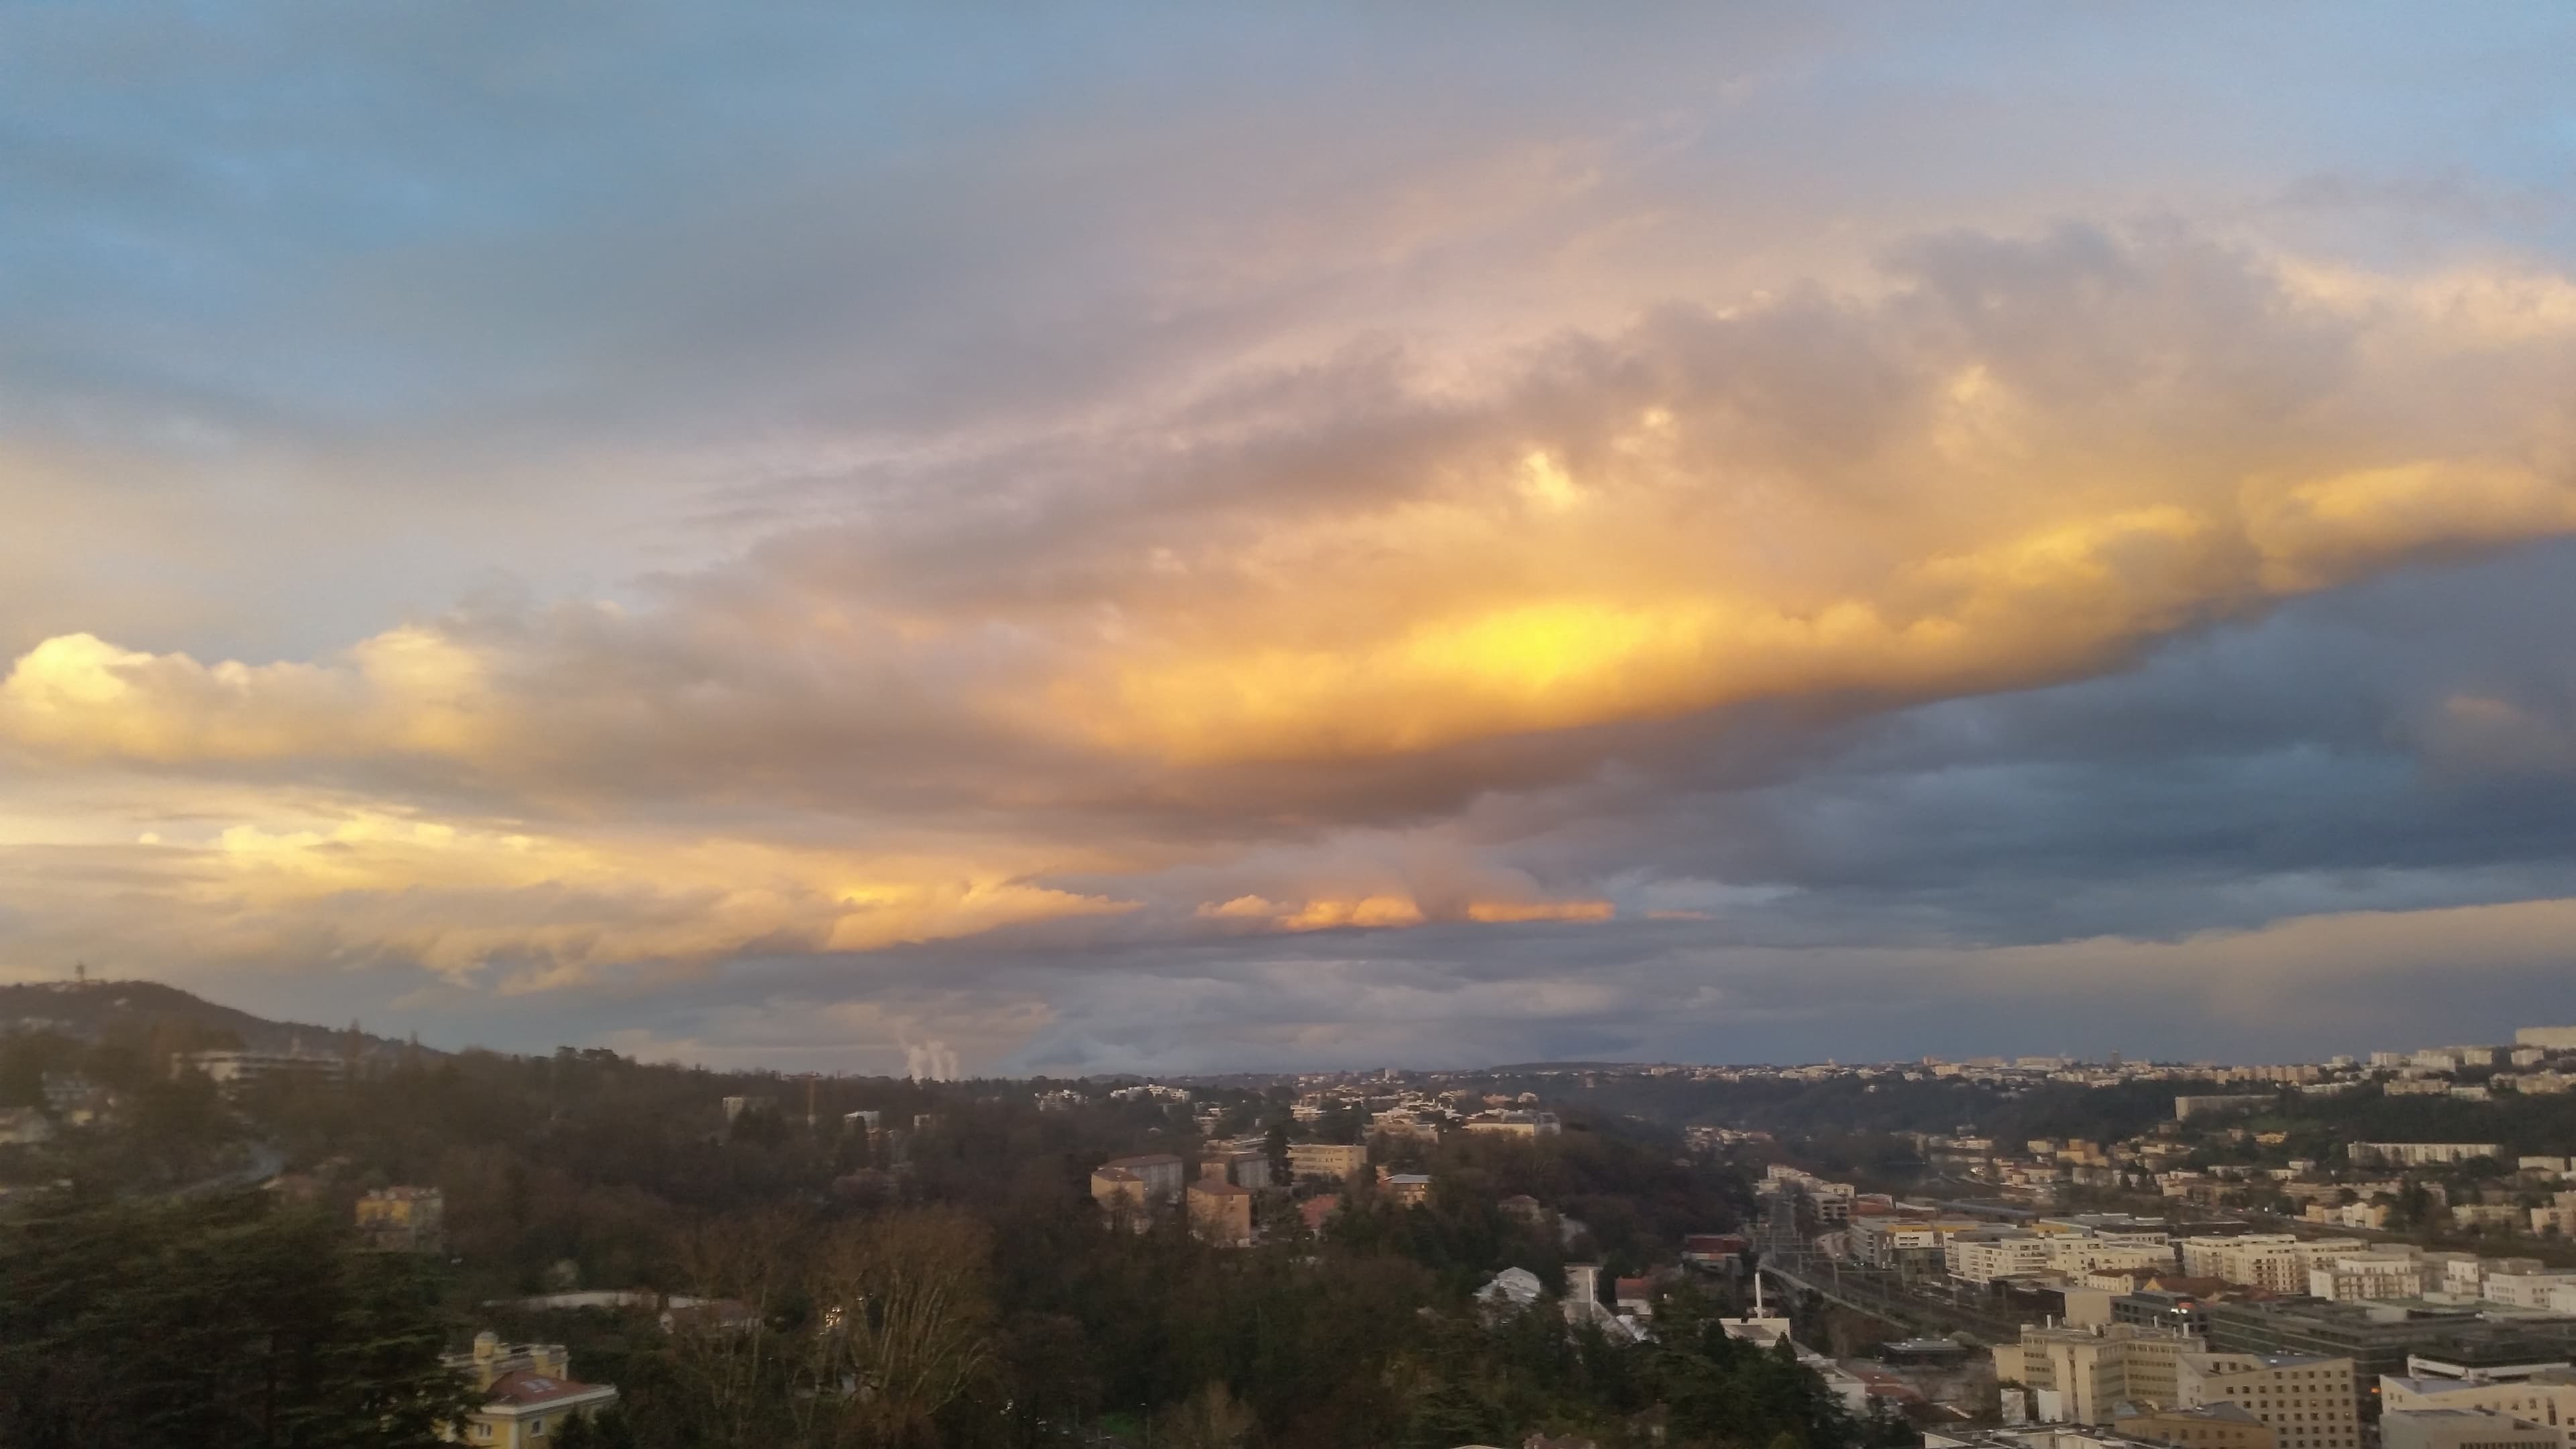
{"type": "Point", "coordinates": [1131, 538]}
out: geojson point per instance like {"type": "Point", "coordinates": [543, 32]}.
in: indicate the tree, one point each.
{"type": "Point", "coordinates": [219, 1322]}
{"type": "Point", "coordinates": [904, 1310]}
{"type": "Point", "coordinates": [1210, 1420]}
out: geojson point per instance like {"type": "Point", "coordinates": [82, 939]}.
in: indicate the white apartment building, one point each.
{"type": "Point", "coordinates": [2358, 1277]}
{"type": "Point", "coordinates": [2276, 1261]}
{"type": "Point", "coordinates": [1985, 1258]}
{"type": "Point", "coordinates": [2525, 1290]}
{"type": "Point", "coordinates": [2308, 1402]}
{"type": "Point", "coordinates": [2420, 1154]}
{"type": "Point", "coordinates": [2464, 1276]}
{"type": "Point", "coordinates": [2075, 1257]}
{"type": "Point", "coordinates": [2071, 1247]}
{"type": "Point", "coordinates": [232, 1070]}
{"type": "Point", "coordinates": [2348, 1215]}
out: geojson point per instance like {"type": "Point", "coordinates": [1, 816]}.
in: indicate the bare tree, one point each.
{"type": "Point", "coordinates": [729, 1358]}
{"type": "Point", "coordinates": [905, 1319]}
{"type": "Point", "coordinates": [1210, 1420]}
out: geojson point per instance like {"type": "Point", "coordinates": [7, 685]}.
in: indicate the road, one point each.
{"type": "Point", "coordinates": [265, 1162]}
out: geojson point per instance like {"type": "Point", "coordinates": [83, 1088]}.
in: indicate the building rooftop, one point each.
{"type": "Point", "coordinates": [2218, 1413]}
{"type": "Point", "coordinates": [527, 1389]}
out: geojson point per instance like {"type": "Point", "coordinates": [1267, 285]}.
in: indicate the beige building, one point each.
{"type": "Point", "coordinates": [2547, 1397]}
{"type": "Point", "coordinates": [1337, 1160]}
{"type": "Point", "coordinates": [1158, 1175]}
{"type": "Point", "coordinates": [1244, 1169]}
{"type": "Point", "coordinates": [528, 1392]}
{"type": "Point", "coordinates": [2307, 1401]}
{"type": "Point", "coordinates": [1221, 1212]}
{"type": "Point", "coordinates": [1408, 1187]}
{"type": "Point", "coordinates": [404, 1219]}
{"type": "Point", "coordinates": [2089, 1372]}
{"type": "Point", "coordinates": [1118, 1190]}
{"type": "Point", "coordinates": [2214, 1426]}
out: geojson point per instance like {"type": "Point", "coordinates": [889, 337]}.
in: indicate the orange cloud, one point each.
{"type": "Point", "coordinates": [1396, 911]}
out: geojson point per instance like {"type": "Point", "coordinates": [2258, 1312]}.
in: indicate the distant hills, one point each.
{"type": "Point", "coordinates": [90, 1010]}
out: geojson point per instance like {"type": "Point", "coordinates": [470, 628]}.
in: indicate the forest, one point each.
{"type": "Point", "coordinates": [950, 1282]}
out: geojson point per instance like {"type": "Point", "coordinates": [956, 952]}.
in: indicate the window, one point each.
{"type": "Point", "coordinates": [537, 1429]}
{"type": "Point", "coordinates": [482, 1429]}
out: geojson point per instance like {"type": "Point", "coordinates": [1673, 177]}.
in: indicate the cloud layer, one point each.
{"type": "Point", "coordinates": [1547, 578]}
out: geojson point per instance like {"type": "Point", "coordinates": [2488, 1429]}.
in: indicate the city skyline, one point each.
{"type": "Point", "coordinates": [1140, 542]}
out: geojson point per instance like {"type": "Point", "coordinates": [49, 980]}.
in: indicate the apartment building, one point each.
{"type": "Point", "coordinates": [1221, 1212]}
{"type": "Point", "coordinates": [2419, 1154]}
{"type": "Point", "coordinates": [236, 1070]}
{"type": "Point", "coordinates": [2525, 1289]}
{"type": "Point", "coordinates": [1326, 1159]}
{"type": "Point", "coordinates": [2360, 1277]}
{"type": "Point", "coordinates": [1516, 1124]}
{"type": "Point", "coordinates": [1887, 1242]}
{"type": "Point", "coordinates": [1988, 1256]}
{"type": "Point", "coordinates": [1244, 1167]}
{"type": "Point", "coordinates": [2086, 1373]}
{"type": "Point", "coordinates": [1161, 1173]}
{"type": "Point", "coordinates": [2276, 1261]}
{"type": "Point", "coordinates": [2308, 1401]}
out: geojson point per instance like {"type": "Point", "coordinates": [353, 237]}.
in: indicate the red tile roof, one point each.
{"type": "Point", "coordinates": [524, 1387]}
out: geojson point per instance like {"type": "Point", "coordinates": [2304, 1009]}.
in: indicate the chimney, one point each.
{"type": "Point", "coordinates": [1214, 1168]}
{"type": "Point", "coordinates": [487, 1348]}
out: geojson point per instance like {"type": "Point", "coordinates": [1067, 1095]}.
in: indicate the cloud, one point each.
{"type": "Point", "coordinates": [1167, 689]}
{"type": "Point", "coordinates": [1105, 550]}
{"type": "Point", "coordinates": [2027, 460]}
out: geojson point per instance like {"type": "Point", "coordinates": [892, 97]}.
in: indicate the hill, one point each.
{"type": "Point", "coordinates": [92, 1010]}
